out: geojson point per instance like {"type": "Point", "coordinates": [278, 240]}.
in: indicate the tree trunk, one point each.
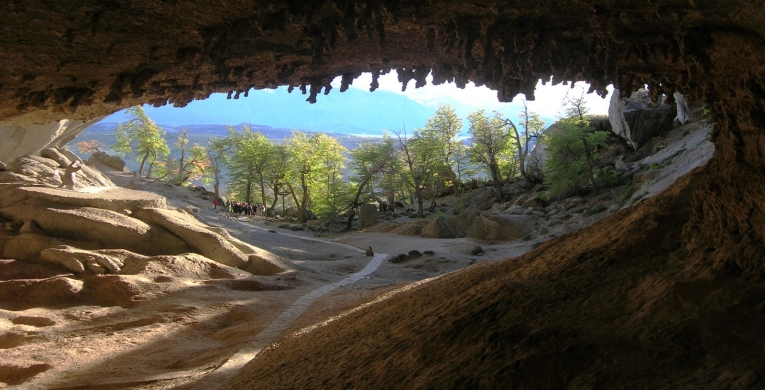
{"type": "Point", "coordinates": [418, 193]}
{"type": "Point", "coordinates": [143, 162]}
{"type": "Point", "coordinates": [494, 168]}
{"type": "Point", "coordinates": [589, 166]}
{"type": "Point", "coordinates": [262, 188]}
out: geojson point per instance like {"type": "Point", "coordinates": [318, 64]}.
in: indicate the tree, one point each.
{"type": "Point", "coordinates": [217, 154]}
{"type": "Point", "coordinates": [368, 162]}
{"type": "Point", "coordinates": [490, 141]}
{"type": "Point", "coordinates": [316, 163]}
{"type": "Point", "coordinates": [571, 150]}
{"type": "Point", "coordinates": [533, 126]}
{"type": "Point", "coordinates": [144, 137]}
{"type": "Point", "coordinates": [421, 155]}
{"type": "Point", "coordinates": [190, 166]}
{"type": "Point", "coordinates": [252, 154]}
{"type": "Point", "coordinates": [91, 146]}
{"type": "Point", "coordinates": [277, 172]}
{"type": "Point", "coordinates": [444, 126]}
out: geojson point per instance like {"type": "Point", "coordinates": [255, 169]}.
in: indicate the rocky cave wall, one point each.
{"type": "Point", "coordinates": [78, 61]}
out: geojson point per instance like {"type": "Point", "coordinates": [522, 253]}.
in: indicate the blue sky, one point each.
{"type": "Point", "coordinates": [357, 111]}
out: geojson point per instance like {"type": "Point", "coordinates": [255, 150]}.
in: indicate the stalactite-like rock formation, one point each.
{"type": "Point", "coordinates": [696, 251]}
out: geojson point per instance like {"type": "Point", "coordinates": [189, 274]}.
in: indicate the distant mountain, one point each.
{"type": "Point", "coordinates": [351, 112]}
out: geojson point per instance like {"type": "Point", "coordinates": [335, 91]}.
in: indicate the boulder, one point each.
{"type": "Point", "coordinates": [116, 199]}
{"type": "Point", "coordinates": [57, 156]}
{"type": "Point", "coordinates": [534, 201]}
{"type": "Point", "coordinates": [22, 140]}
{"type": "Point", "coordinates": [113, 162]}
{"type": "Point", "coordinates": [200, 240]}
{"type": "Point", "coordinates": [439, 228]}
{"type": "Point", "coordinates": [368, 215]}
{"type": "Point", "coordinates": [450, 226]}
{"type": "Point", "coordinates": [41, 170]}
{"type": "Point", "coordinates": [79, 260]}
{"type": "Point", "coordinates": [27, 246]}
{"type": "Point", "coordinates": [103, 228]}
{"type": "Point", "coordinates": [683, 109]}
{"type": "Point", "coordinates": [481, 199]}
{"type": "Point", "coordinates": [637, 119]}
{"type": "Point", "coordinates": [515, 210]}
{"type": "Point", "coordinates": [501, 227]}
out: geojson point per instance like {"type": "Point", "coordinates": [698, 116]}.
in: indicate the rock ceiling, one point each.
{"type": "Point", "coordinates": [89, 58]}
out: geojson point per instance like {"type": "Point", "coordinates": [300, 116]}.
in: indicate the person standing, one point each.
{"type": "Point", "coordinates": [215, 204]}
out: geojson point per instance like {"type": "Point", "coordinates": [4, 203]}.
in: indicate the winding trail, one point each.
{"type": "Point", "coordinates": [219, 377]}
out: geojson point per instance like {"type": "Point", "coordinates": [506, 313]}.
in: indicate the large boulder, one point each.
{"type": "Point", "coordinates": [23, 140]}
{"type": "Point", "coordinates": [200, 239]}
{"type": "Point", "coordinates": [367, 215]}
{"type": "Point", "coordinates": [638, 119]}
{"type": "Point", "coordinates": [480, 200]}
{"type": "Point", "coordinates": [500, 227]}
{"type": "Point", "coordinates": [100, 228]}
{"type": "Point", "coordinates": [113, 162]}
{"type": "Point", "coordinates": [27, 246]}
{"type": "Point", "coordinates": [119, 200]}
{"type": "Point", "coordinates": [36, 169]}
{"type": "Point", "coordinates": [450, 226]}
{"type": "Point", "coordinates": [439, 227]}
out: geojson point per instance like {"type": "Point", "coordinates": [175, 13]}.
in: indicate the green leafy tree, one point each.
{"type": "Point", "coordinates": [251, 157]}
{"type": "Point", "coordinates": [368, 163]}
{"type": "Point", "coordinates": [491, 145]}
{"type": "Point", "coordinates": [421, 155]}
{"type": "Point", "coordinates": [444, 127]}
{"type": "Point", "coordinates": [277, 172]}
{"type": "Point", "coordinates": [140, 135]}
{"type": "Point", "coordinates": [571, 164]}
{"type": "Point", "coordinates": [192, 163]}
{"type": "Point", "coordinates": [316, 164]}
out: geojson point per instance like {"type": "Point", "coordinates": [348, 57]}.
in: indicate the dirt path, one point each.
{"type": "Point", "coordinates": [234, 363]}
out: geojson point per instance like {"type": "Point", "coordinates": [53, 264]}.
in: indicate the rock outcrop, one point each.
{"type": "Point", "coordinates": [638, 119]}
{"type": "Point", "coordinates": [30, 139]}
{"type": "Point", "coordinates": [368, 215]}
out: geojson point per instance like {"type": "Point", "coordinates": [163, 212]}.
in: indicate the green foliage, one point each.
{"type": "Point", "coordinates": [192, 163]}
{"type": "Point", "coordinates": [571, 165]}
{"type": "Point", "coordinates": [492, 147]}
{"type": "Point", "coordinates": [315, 173]}
{"type": "Point", "coordinates": [249, 160]}
{"type": "Point", "coordinates": [140, 135]}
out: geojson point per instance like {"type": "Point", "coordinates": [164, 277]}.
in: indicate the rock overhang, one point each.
{"type": "Point", "coordinates": [86, 59]}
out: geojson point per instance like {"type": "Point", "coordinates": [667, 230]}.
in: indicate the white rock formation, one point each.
{"type": "Point", "coordinates": [21, 140]}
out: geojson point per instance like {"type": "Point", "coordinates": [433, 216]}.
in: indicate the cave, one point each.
{"type": "Point", "coordinates": [666, 294]}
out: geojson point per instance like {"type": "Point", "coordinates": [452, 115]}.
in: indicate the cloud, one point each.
{"type": "Point", "coordinates": [548, 103]}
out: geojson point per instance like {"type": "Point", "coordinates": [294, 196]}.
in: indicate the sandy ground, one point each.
{"type": "Point", "coordinates": [179, 332]}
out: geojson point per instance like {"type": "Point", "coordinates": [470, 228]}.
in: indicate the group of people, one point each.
{"type": "Point", "coordinates": [242, 208]}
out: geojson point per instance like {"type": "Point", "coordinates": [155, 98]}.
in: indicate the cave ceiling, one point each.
{"type": "Point", "coordinates": [83, 59]}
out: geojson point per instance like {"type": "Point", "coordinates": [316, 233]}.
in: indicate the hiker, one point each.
{"type": "Point", "coordinates": [215, 204]}
{"type": "Point", "coordinates": [67, 179]}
